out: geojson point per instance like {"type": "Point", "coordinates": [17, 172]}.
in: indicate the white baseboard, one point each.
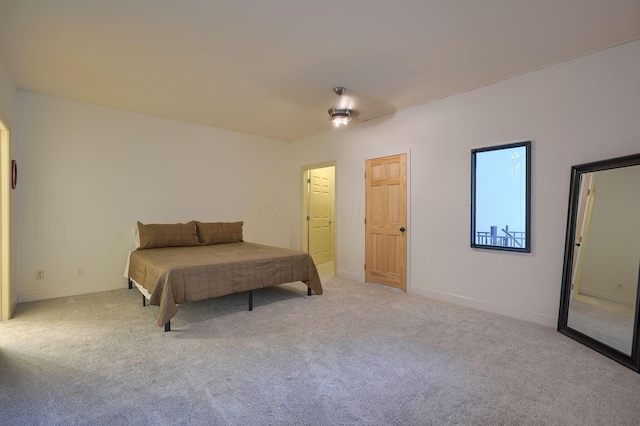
{"type": "Point", "coordinates": [535, 317]}
{"type": "Point", "coordinates": [607, 297]}
{"type": "Point", "coordinates": [495, 308]}
{"type": "Point", "coordinates": [350, 275]}
{"type": "Point", "coordinates": [32, 296]}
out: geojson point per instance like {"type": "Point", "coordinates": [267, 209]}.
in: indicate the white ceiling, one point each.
{"type": "Point", "coordinates": [268, 67]}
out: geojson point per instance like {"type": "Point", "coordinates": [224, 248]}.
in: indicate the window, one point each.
{"type": "Point", "coordinates": [501, 197]}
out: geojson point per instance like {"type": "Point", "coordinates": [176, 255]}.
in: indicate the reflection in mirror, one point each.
{"type": "Point", "coordinates": [604, 281]}
{"type": "Point", "coordinates": [602, 258]}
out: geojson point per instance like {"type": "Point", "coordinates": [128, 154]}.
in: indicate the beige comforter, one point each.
{"type": "Point", "coordinates": [175, 275]}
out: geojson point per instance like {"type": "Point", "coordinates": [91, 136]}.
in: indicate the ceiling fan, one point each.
{"type": "Point", "coordinates": [340, 115]}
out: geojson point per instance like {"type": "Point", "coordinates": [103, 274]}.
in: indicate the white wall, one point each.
{"type": "Point", "coordinates": [89, 173]}
{"type": "Point", "coordinates": [7, 92]}
{"type": "Point", "coordinates": [575, 112]}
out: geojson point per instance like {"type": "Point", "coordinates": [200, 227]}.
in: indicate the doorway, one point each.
{"type": "Point", "coordinates": [319, 222]}
{"type": "Point", "coordinates": [587, 199]}
{"type": "Point", "coordinates": [5, 222]}
{"type": "Point", "coordinates": [386, 221]}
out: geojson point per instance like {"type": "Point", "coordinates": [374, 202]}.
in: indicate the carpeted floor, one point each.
{"type": "Point", "coordinates": [360, 354]}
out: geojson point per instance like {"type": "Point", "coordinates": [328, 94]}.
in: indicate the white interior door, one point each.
{"type": "Point", "coordinates": [320, 211]}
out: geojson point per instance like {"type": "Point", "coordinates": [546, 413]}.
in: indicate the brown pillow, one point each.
{"type": "Point", "coordinates": [167, 235]}
{"type": "Point", "coordinates": [219, 232]}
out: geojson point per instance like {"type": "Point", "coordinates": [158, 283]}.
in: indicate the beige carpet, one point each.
{"type": "Point", "coordinates": [360, 354]}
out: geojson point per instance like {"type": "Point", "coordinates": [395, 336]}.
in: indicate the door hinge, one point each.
{"type": "Point", "coordinates": [308, 180]}
{"type": "Point", "coordinates": [365, 266]}
{"type": "Point", "coordinates": [365, 175]}
{"type": "Point", "coordinates": [365, 220]}
{"type": "Point", "coordinates": [308, 218]}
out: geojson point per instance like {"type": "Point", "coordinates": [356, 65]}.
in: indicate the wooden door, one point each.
{"type": "Point", "coordinates": [385, 222]}
{"type": "Point", "coordinates": [320, 194]}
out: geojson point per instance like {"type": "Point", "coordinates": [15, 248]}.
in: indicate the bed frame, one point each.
{"type": "Point", "coordinates": [167, 327]}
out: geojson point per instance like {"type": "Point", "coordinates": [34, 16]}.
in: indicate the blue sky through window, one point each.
{"type": "Point", "coordinates": [500, 192]}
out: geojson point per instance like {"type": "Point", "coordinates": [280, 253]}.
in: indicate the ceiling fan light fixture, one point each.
{"type": "Point", "coordinates": [339, 116]}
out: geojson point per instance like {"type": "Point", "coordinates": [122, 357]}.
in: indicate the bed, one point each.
{"type": "Point", "coordinates": [180, 263]}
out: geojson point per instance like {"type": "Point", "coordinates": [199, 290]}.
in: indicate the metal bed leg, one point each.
{"type": "Point", "coordinates": [308, 291]}
{"type": "Point", "coordinates": [144, 300]}
{"type": "Point", "coordinates": [167, 327]}
{"type": "Point", "coordinates": [130, 283]}
{"type": "Point", "coordinates": [251, 300]}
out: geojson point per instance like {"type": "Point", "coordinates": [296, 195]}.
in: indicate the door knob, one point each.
{"type": "Point", "coordinates": [402, 229]}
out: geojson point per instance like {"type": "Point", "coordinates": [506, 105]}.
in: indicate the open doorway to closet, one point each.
{"type": "Point", "coordinates": [318, 224]}
{"type": "Point", "coordinates": [5, 222]}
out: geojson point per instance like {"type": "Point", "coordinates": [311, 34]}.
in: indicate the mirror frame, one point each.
{"type": "Point", "coordinates": [632, 361]}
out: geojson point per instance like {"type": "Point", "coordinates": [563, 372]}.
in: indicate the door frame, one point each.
{"type": "Point", "coordinates": [6, 303]}
{"type": "Point", "coordinates": [304, 211]}
{"type": "Point", "coordinates": [409, 232]}
{"type": "Point", "coordinates": [588, 193]}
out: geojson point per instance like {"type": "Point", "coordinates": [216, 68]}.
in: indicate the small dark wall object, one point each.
{"type": "Point", "coordinates": [14, 174]}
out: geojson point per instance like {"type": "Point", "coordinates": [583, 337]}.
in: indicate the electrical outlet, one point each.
{"type": "Point", "coordinates": [39, 275]}
{"type": "Point", "coordinates": [80, 271]}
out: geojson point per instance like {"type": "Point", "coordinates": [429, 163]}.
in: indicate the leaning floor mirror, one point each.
{"type": "Point", "coordinates": [599, 300]}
